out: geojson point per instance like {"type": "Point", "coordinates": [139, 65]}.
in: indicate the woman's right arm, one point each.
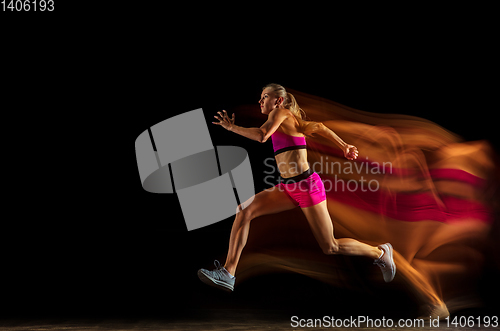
{"type": "Point", "coordinates": [228, 124]}
{"type": "Point", "coordinates": [276, 117]}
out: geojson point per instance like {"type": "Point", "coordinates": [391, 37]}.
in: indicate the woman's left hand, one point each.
{"type": "Point", "coordinates": [350, 152]}
{"type": "Point", "coordinates": [224, 120]}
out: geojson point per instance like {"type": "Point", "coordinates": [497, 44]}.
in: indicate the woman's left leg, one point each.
{"type": "Point", "coordinates": [321, 225]}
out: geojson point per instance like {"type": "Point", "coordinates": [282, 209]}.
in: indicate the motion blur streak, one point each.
{"type": "Point", "coordinates": [435, 205]}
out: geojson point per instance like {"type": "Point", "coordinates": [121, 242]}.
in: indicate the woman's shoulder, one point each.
{"type": "Point", "coordinates": [291, 126]}
{"type": "Point", "coordinates": [283, 112]}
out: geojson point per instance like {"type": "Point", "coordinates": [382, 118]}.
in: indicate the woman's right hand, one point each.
{"type": "Point", "coordinates": [224, 120]}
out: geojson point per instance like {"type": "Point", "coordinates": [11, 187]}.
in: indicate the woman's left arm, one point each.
{"type": "Point", "coordinates": [350, 151]}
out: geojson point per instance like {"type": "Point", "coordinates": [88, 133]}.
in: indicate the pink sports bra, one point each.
{"type": "Point", "coordinates": [283, 142]}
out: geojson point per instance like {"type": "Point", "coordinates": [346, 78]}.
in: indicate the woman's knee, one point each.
{"type": "Point", "coordinates": [244, 213]}
{"type": "Point", "coordinates": [330, 248]}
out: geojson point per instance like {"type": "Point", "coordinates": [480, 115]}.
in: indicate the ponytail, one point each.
{"type": "Point", "coordinates": [291, 103]}
{"type": "Point", "coordinates": [306, 127]}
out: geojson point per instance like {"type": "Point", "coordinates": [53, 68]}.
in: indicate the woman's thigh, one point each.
{"type": "Point", "coordinates": [271, 201]}
{"type": "Point", "coordinates": [320, 222]}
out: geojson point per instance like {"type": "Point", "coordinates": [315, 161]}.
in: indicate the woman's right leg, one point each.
{"type": "Point", "coordinates": [322, 228]}
{"type": "Point", "coordinates": [270, 201]}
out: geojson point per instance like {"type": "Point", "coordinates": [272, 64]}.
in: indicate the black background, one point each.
{"type": "Point", "coordinates": [82, 238]}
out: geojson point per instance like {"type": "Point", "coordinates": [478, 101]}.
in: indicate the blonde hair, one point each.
{"type": "Point", "coordinates": [289, 102]}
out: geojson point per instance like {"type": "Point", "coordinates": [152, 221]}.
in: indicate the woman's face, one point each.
{"type": "Point", "coordinates": [268, 101]}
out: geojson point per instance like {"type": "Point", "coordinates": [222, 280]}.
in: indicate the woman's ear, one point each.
{"type": "Point", "coordinates": [279, 101]}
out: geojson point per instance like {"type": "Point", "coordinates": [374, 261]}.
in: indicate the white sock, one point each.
{"type": "Point", "coordinates": [228, 273]}
{"type": "Point", "coordinates": [383, 252]}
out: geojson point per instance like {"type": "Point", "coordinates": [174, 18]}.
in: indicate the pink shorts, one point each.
{"type": "Point", "coordinates": [305, 190]}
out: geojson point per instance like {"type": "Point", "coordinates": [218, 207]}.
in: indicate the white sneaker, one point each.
{"type": "Point", "coordinates": [386, 262]}
{"type": "Point", "coordinates": [219, 277]}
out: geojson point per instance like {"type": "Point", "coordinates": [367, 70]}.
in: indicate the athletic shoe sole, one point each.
{"type": "Point", "coordinates": [214, 282]}
{"type": "Point", "coordinates": [391, 259]}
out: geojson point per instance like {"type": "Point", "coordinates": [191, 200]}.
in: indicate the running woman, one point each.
{"type": "Point", "coordinates": [298, 187]}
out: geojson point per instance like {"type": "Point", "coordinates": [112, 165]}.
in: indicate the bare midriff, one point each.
{"type": "Point", "coordinates": [292, 163]}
